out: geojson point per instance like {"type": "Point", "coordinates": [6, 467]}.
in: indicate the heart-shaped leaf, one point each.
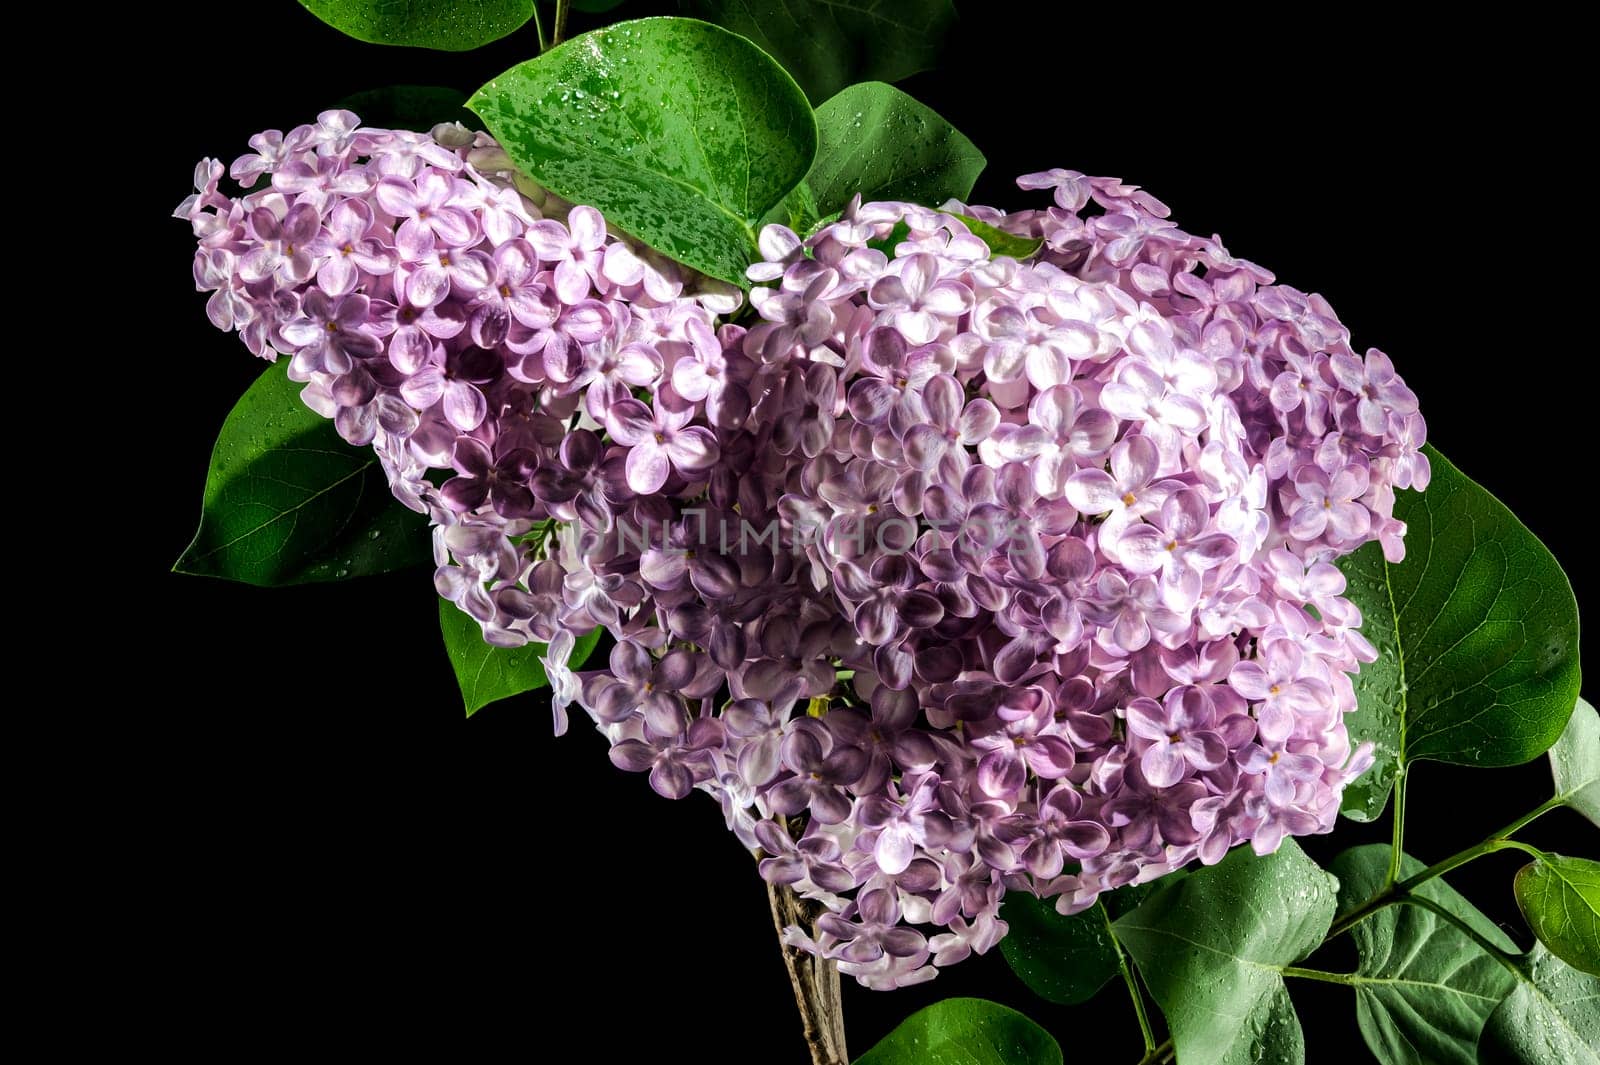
{"type": "Point", "coordinates": [288, 502]}
{"type": "Point", "coordinates": [1552, 1017]}
{"type": "Point", "coordinates": [1477, 635]}
{"type": "Point", "coordinates": [1560, 897]}
{"type": "Point", "coordinates": [447, 25]}
{"type": "Point", "coordinates": [1423, 989]}
{"type": "Point", "coordinates": [965, 1031]}
{"type": "Point", "coordinates": [1212, 946]}
{"type": "Point", "coordinates": [829, 44]}
{"type": "Point", "coordinates": [487, 674]}
{"type": "Point", "coordinates": [682, 134]}
{"type": "Point", "coordinates": [1575, 763]}
{"type": "Point", "coordinates": [875, 140]}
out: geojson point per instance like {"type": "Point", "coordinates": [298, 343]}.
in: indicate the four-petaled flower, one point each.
{"type": "Point", "coordinates": [659, 441]}
{"type": "Point", "coordinates": [1179, 734]}
{"type": "Point", "coordinates": [917, 298]}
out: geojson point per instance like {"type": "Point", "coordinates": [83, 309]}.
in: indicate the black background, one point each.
{"type": "Point", "coordinates": [324, 845]}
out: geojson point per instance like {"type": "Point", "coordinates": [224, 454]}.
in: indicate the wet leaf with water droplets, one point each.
{"type": "Point", "coordinates": [1423, 989]}
{"type": "Point", "coordinates": [684, 135]}
{"type": "Point", "coordinates": [965, 1031]}
{"type": "Point", "coordinates": [1560, 897]}
{"type": "Point", "coordinates": [1552, 1017]}
{"type": "Point", "coordinates": [445, 25]}
{"type": "Point", "coordinates": [875, 140]}
{"type": "Point", "coordinates": [288, 502]}
{"type": "Point", "coordinates": [1477, 638]}
{"type": "Point", "coordinates": [1211, 946]}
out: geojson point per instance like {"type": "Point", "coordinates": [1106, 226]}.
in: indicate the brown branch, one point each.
{"type": "Point", "coordinates": [815, 981]}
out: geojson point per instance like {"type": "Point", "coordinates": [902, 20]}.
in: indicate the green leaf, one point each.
{"type": "Point", "coordinates": [1477, 638]}
{"type": "Point", "coordinates": [288, 502]}
{"type": "Point", "coordinates": [681, 133]}
{"type": "Point", "coordinates": [1066, 960]}
{"type": "Point", "coordinates": [1423, 989]}
{"type": "Point", "coordinates": [894, 237]}
{"type": "Point", "coordinates": [798, 210]}
{"type": "Point", "coordinates": [447, 25]}
{"type": "Point", "coordinates": [829, 44]}
{"type": "Point", "coordinates": [1560, 897]}
{"type": "Point", "coordinates": [876, 140]}
{"type": "Point", "coordinates": [1211, 948]}
{"type": "Point", "coordinates": [1551, 1018]}
{"type": "Point", "coordinates": [965, 1031]}
{"type": "Point", "coordinates": [1000, 242]}
{"type": "Point", "coordinates": [1575, 763]}
{"type": "Point", "coordinates": [485, 673]}
{"type": "Point", "coordinates": [416, 107]}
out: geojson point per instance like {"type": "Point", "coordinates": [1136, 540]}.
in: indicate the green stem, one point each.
{"type": "Point", "coordinates": [1488, 846]}
{"type": "Point", "coordinates": [1345, 979]}
{"type": "Point", "coordinates": [1394, 891]}
{"type": "Point", "coordinates": [1497, 841]}
{"type": "Point", "coordinates": [538, 27]}
{"type": "Point", "coordinates": [1381, 900]}
{"type": "Point", "coordinates": [1397, 891]}
{"type": "Point", "coordinates": [1133, 985]}
{"type": "Point", "coordinates": [1503, 957]}
{"type": "Point", "coordinates": [1157, 1054]}
{"type": "Point", "coordinates": [560, 29]}
{"type": "Point", "coordinates": [1397, 847]}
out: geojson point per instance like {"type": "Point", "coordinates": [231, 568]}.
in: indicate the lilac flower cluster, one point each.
{"type": "Point", "coordinates": [945, 574]}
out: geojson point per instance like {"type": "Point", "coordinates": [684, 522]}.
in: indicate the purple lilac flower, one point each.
{"type": "Point", "coordinates": [1178, 736]}
{"type": "Point", "coordinates": [949, 575]}
{"type": "Point", "coordinates": [660, 441]}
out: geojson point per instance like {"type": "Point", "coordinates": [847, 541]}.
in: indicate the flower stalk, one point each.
{"type": "Point", "coordinates": [559, 31]}
{"type": "Point", "coordinates": [815, 981]}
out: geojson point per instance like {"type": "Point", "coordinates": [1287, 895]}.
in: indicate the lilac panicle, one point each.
{"type": "Point", "coordinates": [946, 574]}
